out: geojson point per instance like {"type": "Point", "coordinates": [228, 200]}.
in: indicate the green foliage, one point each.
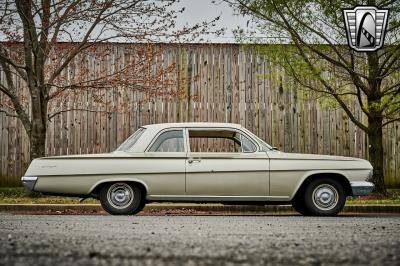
{"type": "Point", "coordinates": [12, 192]}
{"type": "Point", "coordinates": [393, 197]}
{"type": "Point", "coordinates": [313, 50]}
{"type": "Point", "coordinates": [10, 181]}
{"type": "Point", "coordinates": [307, 39]}
{"type": "Point", "coordinates": [19, 195]}
{"type": "Point", "coordinates": [328, 102]}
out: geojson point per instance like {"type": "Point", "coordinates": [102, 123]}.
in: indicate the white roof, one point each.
{"type": "Point", "coordinates": [192, 124]}
{"type": "Point", "coordinates": [152, 130]}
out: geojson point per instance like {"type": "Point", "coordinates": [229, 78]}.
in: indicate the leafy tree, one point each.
{"type": "Point", "coordinates": [41, 26]}
{"type": "Point", "coordinates": [318, 58]}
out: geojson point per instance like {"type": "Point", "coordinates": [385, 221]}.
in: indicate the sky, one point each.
{"type": "Point", "coordinates": [204, 10]}
{"type": "Point", "coordinates": [198, 11]}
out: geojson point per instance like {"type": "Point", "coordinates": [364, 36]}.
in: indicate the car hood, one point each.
{"type": "Point", "coordinates": [286, 161]}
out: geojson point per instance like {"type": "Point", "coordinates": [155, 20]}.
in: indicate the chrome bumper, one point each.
{"type": "Point", "coordinates": [29, 182]}
{"type": "Point", "coordinates": [361, 188]}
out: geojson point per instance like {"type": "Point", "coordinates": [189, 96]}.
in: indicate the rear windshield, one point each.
{"type": "Point", "coordinates": [131, 141]}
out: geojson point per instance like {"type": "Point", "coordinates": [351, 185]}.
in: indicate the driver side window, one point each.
{"type": "Point", "coordinates": [170, 141]}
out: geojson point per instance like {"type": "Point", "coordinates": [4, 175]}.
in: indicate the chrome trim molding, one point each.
{"type": "Point", "coordinates": [216, 198]}
{"type": "Point", "coordinates": [361, 188]}
{"type": "Point", "coordinates": [29, 182]}
{"type": "Point", "coordinates": [328, 170]}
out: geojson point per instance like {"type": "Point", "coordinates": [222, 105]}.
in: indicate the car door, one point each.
{"type": "Point", "coordinates": [166, 157]}
{"type": "Point", "coordinates": [215, 167]}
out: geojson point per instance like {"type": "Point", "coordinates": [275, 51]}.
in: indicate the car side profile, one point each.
{"type": "Point", "coordinates": [202, 162]}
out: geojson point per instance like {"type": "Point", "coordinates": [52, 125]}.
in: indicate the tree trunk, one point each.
{"type": "Point", "coordinates": [39, 124]}
{"type": "Point", "coordinates": [37, 141]}
{"type": "Point", "coordinates": [375, 121]}
{"type": "Point", "coordinates": [376, 153]}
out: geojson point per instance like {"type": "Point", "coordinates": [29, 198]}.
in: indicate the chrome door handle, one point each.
{"type": "Point", "coordinates": [191, 160]}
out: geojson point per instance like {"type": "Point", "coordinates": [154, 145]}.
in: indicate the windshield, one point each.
{"type": "Point", "coordinates": [131, 141]}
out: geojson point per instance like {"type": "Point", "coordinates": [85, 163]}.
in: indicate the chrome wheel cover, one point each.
{"type": "Point", "coordinates": [120, 195]}
{"type": "Point", "coordinates": [325, 197]}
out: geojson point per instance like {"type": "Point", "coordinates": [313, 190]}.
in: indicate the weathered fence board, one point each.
{"type": "Point", "coordinates": [216, 82]}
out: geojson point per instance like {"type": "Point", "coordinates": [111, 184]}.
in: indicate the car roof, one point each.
{"type": "Point", "coordinates": [193, 124]}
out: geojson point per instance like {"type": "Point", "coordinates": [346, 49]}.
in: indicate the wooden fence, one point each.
{"type": "Point", "coordinates": [216, 82]}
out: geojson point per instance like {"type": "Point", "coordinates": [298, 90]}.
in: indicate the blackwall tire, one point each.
{"type": "Point", "coordinates": [121, 198]}
{"type": "Point", "coordinates": [299, 206]}
{"type": "Point", "coordinates": [324, 197]}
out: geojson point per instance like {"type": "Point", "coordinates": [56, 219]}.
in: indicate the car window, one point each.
{"type": "Point", "coordinates": [170, 141]}
{"type": "Point", "coordinates": [247, 145]}
{"type": "Point", "coordinates": [219, 141]}
{"type": "Point", "coordinates": [263, 144]}
{"type": "Point", "coordinates": [131, 141]}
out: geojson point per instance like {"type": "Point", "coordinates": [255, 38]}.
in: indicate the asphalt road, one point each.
{"type": "Point", "coordinates": [198, 240]}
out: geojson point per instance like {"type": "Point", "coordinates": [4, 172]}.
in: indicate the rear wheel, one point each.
{"type": "Point", "coordinates": [324, 197]}
{"type": "Point", "coordinates": [121, 198]}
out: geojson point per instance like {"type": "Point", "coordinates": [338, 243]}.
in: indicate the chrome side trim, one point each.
{"type": "Point", "coordinates": [216, 198]}
{"type": "Point", "coordinates": [29, 182]}
{"type": "Point", "coordinates": [361, 188]}
{"type": "Point", "coordinates": [318, 169]}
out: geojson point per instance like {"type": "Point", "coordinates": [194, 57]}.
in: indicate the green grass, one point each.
{"type": "Point", "coordinates": [392, 198]}
{"type": "Point", "coordinates": [18, 195]}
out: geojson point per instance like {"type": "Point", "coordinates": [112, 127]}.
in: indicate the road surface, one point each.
{"type": "Point", "coordinates": [198, 240]}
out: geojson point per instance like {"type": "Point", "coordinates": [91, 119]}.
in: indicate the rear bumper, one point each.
{"type": "Point", "coordinates": [361, 188]}
{"type": "Point", "coordinates": [29, 182]}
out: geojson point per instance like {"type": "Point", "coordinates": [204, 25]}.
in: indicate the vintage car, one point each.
{"type": "Point", "coordinates": [202, 162]}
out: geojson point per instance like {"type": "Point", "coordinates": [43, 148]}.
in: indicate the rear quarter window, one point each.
{"type": "Point", "coordinates": [131, 141]}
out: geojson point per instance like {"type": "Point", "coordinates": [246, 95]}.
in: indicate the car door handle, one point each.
{"type": "Point", "coordinates": [191, 160]}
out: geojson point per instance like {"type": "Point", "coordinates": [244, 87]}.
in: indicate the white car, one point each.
{"type": "Point", "coordinates": [202, 162]}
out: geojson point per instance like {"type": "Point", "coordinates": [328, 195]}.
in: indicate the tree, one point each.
{"type": "Point", "coordinates": [41, 26]}
{"type": "Point", "coordinates": [317, 57]}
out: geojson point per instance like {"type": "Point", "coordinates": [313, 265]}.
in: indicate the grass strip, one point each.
{"type": "Point", "coordinates": [18, 195]}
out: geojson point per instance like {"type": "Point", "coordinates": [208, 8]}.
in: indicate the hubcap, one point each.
{"type": "Point", "coordinates": [325, 197]}
{"type": "Point", "coordinates": [120, 195]}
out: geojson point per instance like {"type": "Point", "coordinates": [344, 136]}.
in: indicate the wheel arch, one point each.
{"type": "Point", "coordinates": [338, 176]}
{"type": "Point", "coordinates": [95, 189]}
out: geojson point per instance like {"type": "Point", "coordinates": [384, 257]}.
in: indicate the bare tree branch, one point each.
{"type": "Point", "coordinates": [50, 116]}
{"type": "Point", "coordinates": [318, 74]}
{"type": "Point", "coordinates": [11, 92]}
{"type": "Point", "coordinates": [7, 113]}
{"type": "Point", "coordinates": [390, 121]}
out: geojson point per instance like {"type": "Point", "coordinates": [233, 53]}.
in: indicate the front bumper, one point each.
{"type": "Point", "coordinates": [29, 182]}
{"type": "Point", "coordinates": [361, 188]}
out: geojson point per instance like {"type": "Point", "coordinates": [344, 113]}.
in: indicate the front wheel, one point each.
{"type": "Point", "coordinates": [324, 197]}
{"type": "Point", "coordinates": [121, 198]}
{"type": "Point", "coordinates": [299, 206]}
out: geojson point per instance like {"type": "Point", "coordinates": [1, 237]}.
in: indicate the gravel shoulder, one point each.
{"type": "Point", "coordinates": [198, 240]}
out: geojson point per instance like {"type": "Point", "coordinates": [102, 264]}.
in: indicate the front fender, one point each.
{"type": "Point", "coordinates": [311, 173]}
